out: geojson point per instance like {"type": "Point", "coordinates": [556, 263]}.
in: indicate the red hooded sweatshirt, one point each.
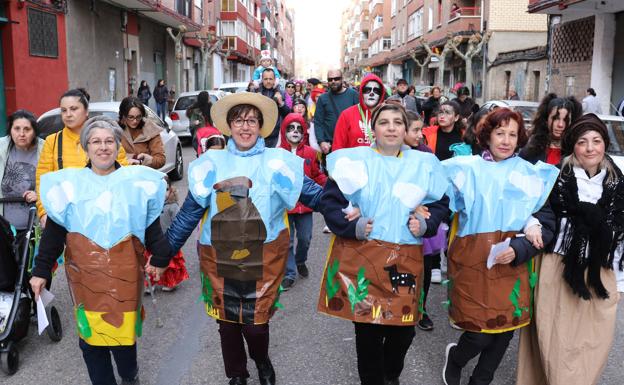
{"type": "Point", "coordinates": [355, 121]}
{"type": "Point", "coordinates": [311, 165]}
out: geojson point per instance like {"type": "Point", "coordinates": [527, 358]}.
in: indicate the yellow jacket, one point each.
{"type": "Point", "coordinates": [72, 153]}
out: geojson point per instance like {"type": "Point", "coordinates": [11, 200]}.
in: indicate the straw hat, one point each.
{"type": "Point", "coordinates": [267, 106]}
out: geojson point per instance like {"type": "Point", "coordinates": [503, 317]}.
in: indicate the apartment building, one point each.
{"type": "Point", "coordinates": [278, 35]}
{"type": "Point", "coordinates": [240, 28]}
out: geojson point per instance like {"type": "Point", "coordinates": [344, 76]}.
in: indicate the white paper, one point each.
{"type": "Point", "coordinates": [495, 250]}
{"type": "Point", "coordinates": [349, 209]}
{"type": "Point", "coordinates": [45, 297]}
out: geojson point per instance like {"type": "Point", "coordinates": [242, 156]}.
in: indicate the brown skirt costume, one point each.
{"type": "Point", "coordinates": [107, 288]}
{"type": "Point", "coordinates": [570, 338]}
{"type": "Point", "coordinates": [373, 282]}
{"type": "Point", "coordinates": [482, 300]}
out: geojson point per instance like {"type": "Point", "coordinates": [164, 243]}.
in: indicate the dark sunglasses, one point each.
{"type": "Point", "coordinates": [368, 90]}
{"type": "Point", "coordinates": [336, 79]}
{"type": "Point", "coordinates": [290, 86]}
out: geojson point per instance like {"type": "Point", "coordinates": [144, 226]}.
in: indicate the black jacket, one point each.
{"type": "Point", "coordinates": [281, 111]}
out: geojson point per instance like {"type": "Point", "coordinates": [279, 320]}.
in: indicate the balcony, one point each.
{"type": "Point", "coordinates": [161, 11]}
{"type": "Point", "coordinates": [460, 12]}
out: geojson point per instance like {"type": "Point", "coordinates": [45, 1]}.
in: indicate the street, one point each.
{"type": "Point", "coordinates": [306, 348]}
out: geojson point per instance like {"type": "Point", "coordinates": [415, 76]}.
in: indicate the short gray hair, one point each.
{"type": "Point", "coordinates": [100, 121]}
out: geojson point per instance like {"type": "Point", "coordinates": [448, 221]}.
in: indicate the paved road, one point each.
{"type": "Point", "coordinates": [306, 348]}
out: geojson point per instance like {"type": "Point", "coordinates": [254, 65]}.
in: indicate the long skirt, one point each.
{"type": "Point", "coordinates": [569, 340]}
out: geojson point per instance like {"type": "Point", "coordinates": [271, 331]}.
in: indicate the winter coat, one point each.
{"type": "Point", "coordinates": [147, 142]}
{"type": "Point", "coordinates": [161, 93]}
{"type": "Point", "coordinates": [144, 94]}
{"type": "Point", "coordinates": [5, 145]}
{"type": "Point", "coordinates": [429, 108]}
{"type": "Point", "coordinates": [409, 102]}
{"type": "Point", "coordinates": [354, 122]}
{"type": "Point", "coordinates": [281, 111]}
{"type": "Point", "coordinates": [311, 164]}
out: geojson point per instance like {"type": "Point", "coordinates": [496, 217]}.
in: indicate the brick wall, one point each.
{"type": "Point", "coordinates": [522, 78]}
{"type": "Point", "coordinates": [512, 15]}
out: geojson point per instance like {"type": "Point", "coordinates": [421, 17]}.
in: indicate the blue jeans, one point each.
{"type": "Point", "coordinates": [100, 367]}
{"type": "Point", "coordinates": [161, 109]}
{"type": "Point", "coordinates": [301, 227]}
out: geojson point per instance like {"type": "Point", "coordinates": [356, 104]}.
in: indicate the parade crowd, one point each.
{"type": "Point", "coordinates": [530, 223]}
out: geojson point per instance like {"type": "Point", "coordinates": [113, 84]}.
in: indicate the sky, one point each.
{"type": "Point", "coordinates": [317, 36]}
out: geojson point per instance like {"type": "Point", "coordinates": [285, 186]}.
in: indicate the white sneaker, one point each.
{"type": "Point", "coordinates": [436, 276]}
{"type": "Point", "coordinates": [326, 230]}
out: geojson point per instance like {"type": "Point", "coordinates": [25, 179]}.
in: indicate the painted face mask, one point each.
{"type": "Point", "coordinates": [371, 94]}
{"type": "Point", "coordinates": [294, 133]}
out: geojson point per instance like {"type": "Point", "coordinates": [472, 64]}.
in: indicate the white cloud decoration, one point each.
{"type": "Point", "coordinates": [350, 175]}
{"type": "Point", "coordinates": [408, 193]}
{"type": "Point", "coordinates": [531, 185]}
{"type": "Point", "coordinates": [60, 195]}
{"type": "Point", "coordinates": [148, 187]}
{"type": "Point", "coordinates": [281, 167]}
{"type": "Point", "coordinates": [198, 174]}
{"type": "Point", "coordinates": [105, 202]}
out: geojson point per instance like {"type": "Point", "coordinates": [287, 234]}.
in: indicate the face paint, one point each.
{"type": "Point", "coordinates": [294, 133]}
{"type": "Point", "coordinates": [371, 94]}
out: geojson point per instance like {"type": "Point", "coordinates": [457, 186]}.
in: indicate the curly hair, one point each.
{"type": "Point", "coordinates": [497, 118]}
{"type": "Point", "coordinates": [540, 137]}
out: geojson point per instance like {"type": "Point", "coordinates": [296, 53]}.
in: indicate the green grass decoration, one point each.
{"type": "Point", "coordinates": [421, 301]}
{"type": "Point", "coordinates": [360, 291]}
{"type": "Point", "coordinates": [277, 304]}
{"type": "Point", "coordinates": [207, 290]}
{"type": "Point", "coordinates": [446, 304]}
{"type": "Point", "coordinates": [331, 285]}
{"type": "Point", "coordinates": [532, 283]}
{"type": "Point", "coordinates": [138, 325]}
{"type": "Point", "coordinates": [514, 296]}
{"type": "Point", "coordinates": [82, 324]}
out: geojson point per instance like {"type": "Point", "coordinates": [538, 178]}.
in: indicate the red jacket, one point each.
{"type": "Point", "coordinates": [311, 164]}
{"type": "Point", "coordinates": [351, 125]}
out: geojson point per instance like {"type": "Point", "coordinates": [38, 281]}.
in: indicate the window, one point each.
{"type": "Point", "coordinates": [183, 7]}
{"type": "Point", "coordinates": [393, 8]}
{"type": "Point", "coordinates": [228, 28]}
{"type": "Point", "coordinates": [228, 5]}
{"type": "Point", "coordinates": [378, 22]}
{"type": "Point", "coordinates": [42, 33]}
{"type": "Point", "coordinates": [430, 19]}
{"type": "Point", "coordinates": [393, 37]}
{"type": "Point", "coordinates": [387, 44]}
{"type": "Point", "coordinates": [414, 24]}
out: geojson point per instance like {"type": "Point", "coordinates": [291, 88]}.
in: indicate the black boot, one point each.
{"type": "Point", "coordinates": [266, 373]}
{"type": "Point", "coordinates": [394, 381]}
{"type": "Point", "coordinates": [238, 381]}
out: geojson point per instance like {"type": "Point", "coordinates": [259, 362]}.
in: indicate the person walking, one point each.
{"type": "Point", "coordinates": [144, 94]}
{"type": "Point", "coordinates": [161, 94]}
{"type": "Point", "coordinates": [140, 137]}
{"type": "Point", "coordinates": [89, 212]}
{"type": "Point", "coordinates": [243, 242]}
{"type": "Point", "coordinates": [409, 102]}
{"type": "Point", "coordinates": [329, 106]}
{"type": "Point", "coordinates": [300, 220]}
{"type": "Point", "coordinates": [271, 90]}
{"type": "Point", "coordinates": [374, 268]}
{"type": "Point", "coordinates": [576, 296]}
{"type": "Point", "coordinates": [198, 115]}
{"type": "Point", "coordinates": [591, 104]}
{"type": "Point", "coordinates": [496, 196]}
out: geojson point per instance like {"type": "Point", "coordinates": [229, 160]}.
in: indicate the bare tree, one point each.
{"type": "Point", "coordinates": [440, 56]}
{"type": "Point", "coordinates": [209, 45]}
{"type": "Point", "coordinates": [420, 64]}
{"type": "Point", "coordinates": [475, 45]}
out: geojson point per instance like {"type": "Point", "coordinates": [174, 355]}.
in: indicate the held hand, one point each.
{"type": "Point", "coordinates": [154, 272]}
{"type": "Point", "coordinates": [506, 256]}
{"type": "Point", "coordinates": [43, 220]}
{"type": "Point", "coordinates": [37, 284]}
{"type": "Point", "coordinates": [278, 99]}
{"type": "Point", "coordinates": [534, 235]}
{"type": "Point", "coordinates": [369, 227]}
{"type": "Point", "coordinates": [133, 161]}
{"type": "Point", "coordinates": [325, 147]}
{"type": "Point", "coordinates": [423, 211]}
{"type": "Point", "coordinates": [145, 159]}
{"type": "Point", "coordinates": [414, 226]}
{"type": "Point", "coordinates": [354, 214]}
{"type": "Point", "coordinates": [30, 196]}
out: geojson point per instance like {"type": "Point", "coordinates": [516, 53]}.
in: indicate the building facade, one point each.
{"type": "Point", "coordinates": [240, 27]}
{"type": "Point", "coordinates": [583, 48]}
{"type": "Point", "coordinates": [278, 35]}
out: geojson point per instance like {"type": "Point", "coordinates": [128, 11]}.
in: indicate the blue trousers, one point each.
{"type": "Point", "coordinates": [161, 109]}
{"type": "Point", "coordinates": [100, 367]}
{"type": "Point", "coordinates": [301, 228]}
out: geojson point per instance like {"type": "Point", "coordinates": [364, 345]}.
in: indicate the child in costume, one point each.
{"type": "Point", "coordinates": [373, 274]}
{"type": "Point", "coordinates": [87, 212]}
{"type": "Point", "coordinates": [300, 222]}
{"type": "Point", "coordinates": [266, 61]}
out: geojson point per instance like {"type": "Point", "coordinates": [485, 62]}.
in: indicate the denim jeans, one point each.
{"type": "Point", "coordinates": [100, 367]}
{"type": "Point", "coordinates": [161, 109]}
{"type": "Point", "coordinates": [300, 227]}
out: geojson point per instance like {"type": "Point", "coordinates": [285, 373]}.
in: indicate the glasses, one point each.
{"type": "Point", "coordinates": [99, 142]}
{"type": "Point", "coordinates": [446, 111]}
{"type": "Point", "coordinates": [368, 90]}
{"type": "Point", "coordinates": [251, 122]}
{"type": "Point", "coordinates": [294, 127]}
{"type": "Point", "coordinates": [290, 86]}
{"type": "Point", "coordinates": [135, 118]}
{"type": "Point", "coordinates": [336, 79]}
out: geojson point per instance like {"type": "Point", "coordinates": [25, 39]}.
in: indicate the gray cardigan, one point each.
{"type": "Point", "coordinates": [5, 142]}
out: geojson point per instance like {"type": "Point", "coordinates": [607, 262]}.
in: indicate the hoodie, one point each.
{"type": "Point", "coordinates": [311, 165]}
{"type": "Point", "coordinates": [353, 128]}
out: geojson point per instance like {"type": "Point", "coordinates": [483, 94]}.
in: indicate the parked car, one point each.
{"type": "Point", "coordinates": [525, 108]}
{"type": "Point", "coordinates": [234, 87]}
{"type": "Point", "coordinates": [50, 122]}
{"type": "Point", "coordinates": [177, 119]}
{"type": "Point", "coordinates": [615, 126]}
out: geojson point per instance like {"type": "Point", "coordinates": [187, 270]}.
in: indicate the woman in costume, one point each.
{"type": "Point", "coordinates": [496, 196]}
{"type": "Point", "coordinates": [374, 271]}
{"type": "Point", "coordinates": [243, 193]}
{"type": "Point", "coordinates": [576, 295]}
{"type": "Point", "coordinates": [88, 215]}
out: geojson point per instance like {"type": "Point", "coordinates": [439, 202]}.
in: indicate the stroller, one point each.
{"type": "Point", "coordinates": [15, 295]}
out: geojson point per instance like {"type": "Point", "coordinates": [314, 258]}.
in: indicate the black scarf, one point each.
{"type": "Point", "coordinates": [592, 232]}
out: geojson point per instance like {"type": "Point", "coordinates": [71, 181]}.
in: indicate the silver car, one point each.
{"type": "Point", "coordinates": [523, 107]}
{"type": "Point", "coordinates": [50, 122]}
{"type": "Point", "coordinates": [177, 119]}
